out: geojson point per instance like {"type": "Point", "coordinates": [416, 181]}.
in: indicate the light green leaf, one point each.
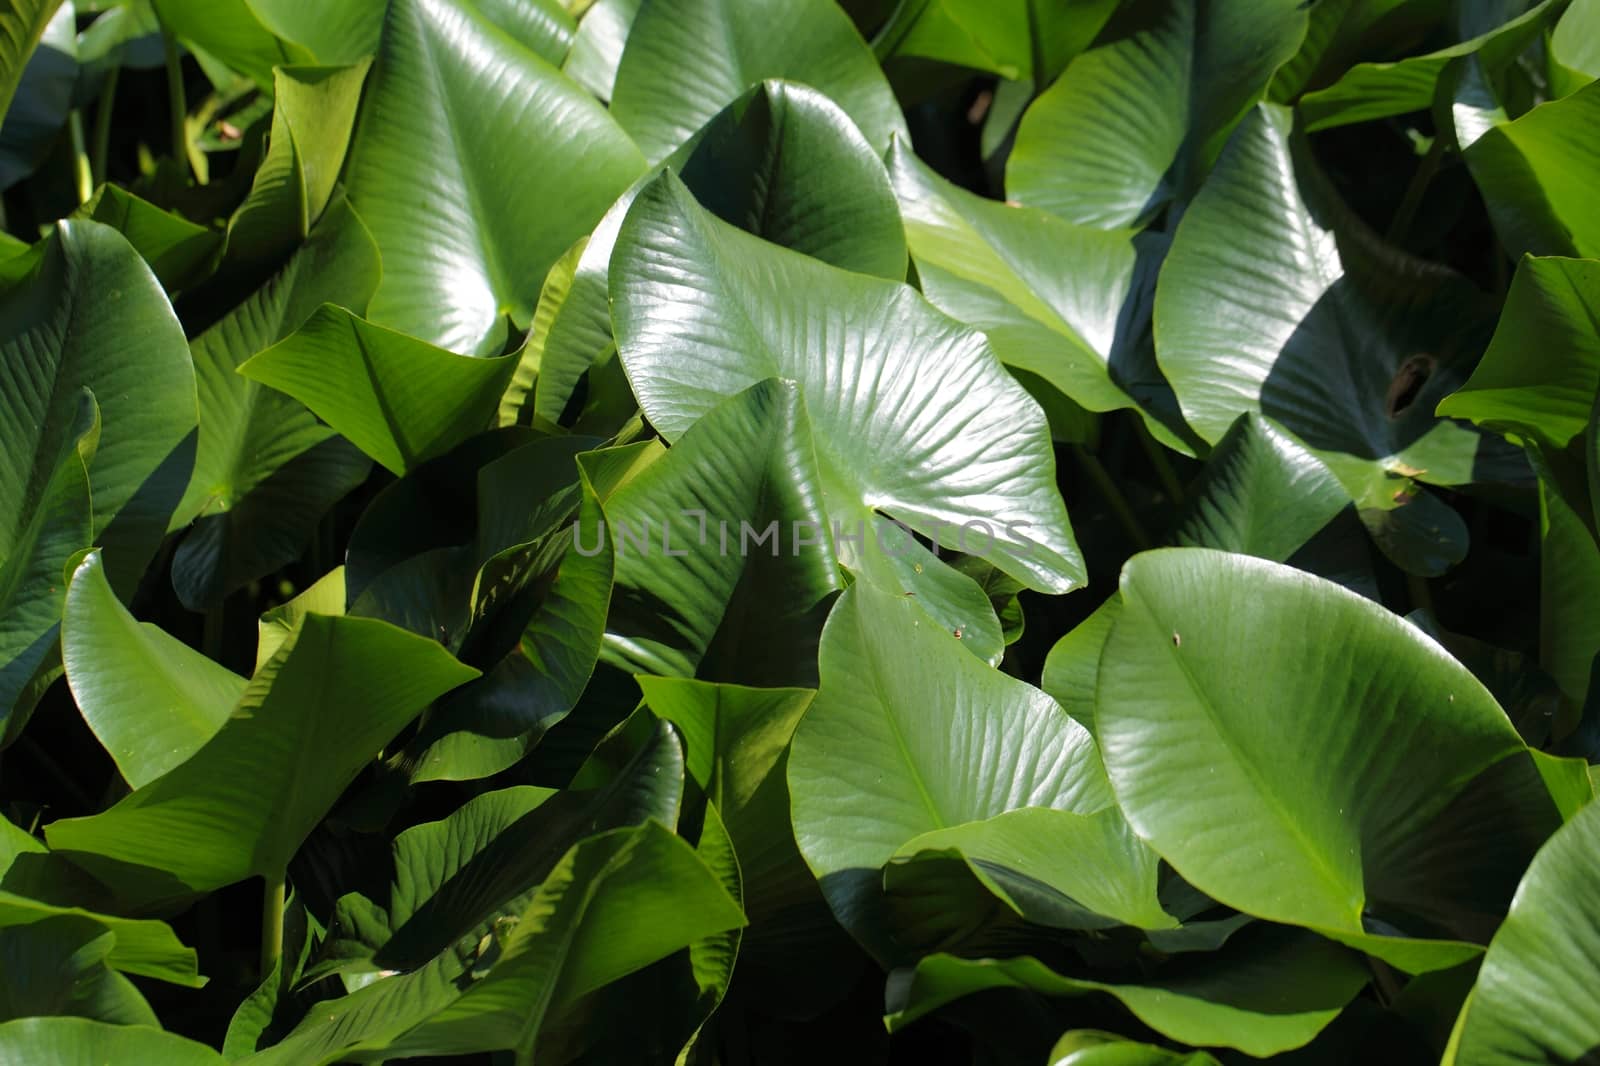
{"type": "Point", "coordinates": [319, 710]}
{"type": "Point", "coordinates": [1575, 43]}
{"type": "Point", "coordinates": [179, 251]}
{"type": "Point", "coordinates": [1288, 781]}
{"type": "Point", "coordinates": [476, 163]}
{"type": "Point", "coordinates": [140, 946]}
{"type": "Point", "coordinates": [661, 100]}
{"type": "Point", "coordinates": [81, 1042]}
{"type": "Point", "coordinates": [703, 311]}
{"type": "Point", "coordinates": [325, 596]}
{"type": "Point", "coordinates": [399, 399]}
{"type": "Point", "coordinates": [1086, 1047]}
{"type": "Point", "coordinates": [907, 736]}
{"type": "Point", "coordinates": [266, 469]}
{"type": "Point", "coordinates": [1530, 1003]}
{"type": "Point", "coordinates": [149, 698]}
{"type": "Point", "coordinates": [1269, 990]}
{"type": "Point", "coordinates": [1541, 372]}
{"type": "Point", "coordinates": [1016, 39]}
{"type": "Point", "coordinates": [333, 34]}
{"type": "Point", "coordinates": [230, 31]}
{"type": "Point", "coordinates": [597, 46]}
{"type": "Point", "coordinates": [1537, 175]}
{"type": "Point", "coordinates": [1138, 119]}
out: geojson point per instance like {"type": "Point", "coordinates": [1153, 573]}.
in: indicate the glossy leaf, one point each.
{"type": "Point", "coordinates": [470, 188]}
{"type": "Point", "coordinates": [906, 737]}
{"type": "Point", "coordinates": [1320, 754]}
{"type": "Point", "coordinates": [703, 311]}
{"type": "Point", "coordinates": [661, 100]}
{"type": "Point", "coordinates": [150, 699]}
{"type": "Point", "coordinates": [1085, 1047]}
{"type": "Point", "coordinates": [230, 31]}
{"type": "Point", "coordinates": [311, 718]}
{"type": "Point", "coordinates": [1016, 39]}
{"type": "Point", "coordinates": [400, 400]}
{"type": "Point", "coordinates": [1528, 1004]}
{"type": "Point", "coordinates": [82, 1042]}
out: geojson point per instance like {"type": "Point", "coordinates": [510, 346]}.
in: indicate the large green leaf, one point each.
{"type": "Point", "coordinates": [696, 594]}
{"type": "Point", "coordinates": [317, 712]}
{"type": "Point", "coordinates": [1362, 787]}
{"type": "Point", "coordinates": [1268, 991]}
{"type": "Point", "coordinates": [662, 98]}
{"type": "Point", "coordinates": [230, 31]}
{"type": "Point", "coordinates": [399, 399]}
{"type": "Point", "coordinates": [1260, 494]}
{"type": "Point", "coordinates": [598, 44]}
{"type": "Point", "coordinates": [21, 25]}
{"type": "Point", "coordinates": [1137, 120]}
{"type": "Point", "coordinates": [266, 469]}
{"type": "Point", "coordinates": [84, 323]}
{"type": "Point", "coordinates": [476, 163]}
{"type": "Point", "coordinates": [1371, 91]}
{"type": "Point", "coordinates": [81, 1042]}
{"type": "Point", "coordinates": [179, 251]}
{"type": "Point", "coordinates": [334, 34]}
{"type": "Point", "coordinates": [149, 698]}
{"type": "Point", "coordinates": [907, 736]}
{"type": "Point", "coordinates": [1531, 1002]}
{"type": "Point", "coordinates": [703, 311]}
{"type": "Point", "coordinates": [139, 946]}
{"type": "Point", "coordinates": [313, 111]}
{"type": "Point", "coordinates": [1016, 39]}
{"type": "Point", "coordinates": [1541, 372]}
{"type": "Point", "coordinates": [1537, 174]}
{"type": "Point", "coordinates": [57, 967]}
{"type": "Point", "coordinates": [1575, 42]}
{"type": "Point", "coordinates": [1058, 300]}
{"type": "Point", "coordinates": [1276, 299]}
{"type": "Point", "coordinates": [1086, 1047]}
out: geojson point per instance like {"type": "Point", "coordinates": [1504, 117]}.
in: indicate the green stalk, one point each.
{"type": "Point", "coordinates": [82, 173]}
{"type": "Point", "coordinates": [178, 103]}
{"type": "Point", "coordinates": [100, 147]}
{"type": "Point", "coordinates": [1096, 472]}
{"type": "Point", "coordinates": [271, 926]}
{"type": "Point", "coordinates": [1420, 180]}
{"type": "Point", "coordinates": [1158, 459]}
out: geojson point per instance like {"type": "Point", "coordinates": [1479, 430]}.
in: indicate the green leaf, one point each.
{"type": "Point", "coordinates": [598, 44]}
{"type": "Point", "coordinates": [317, 712]}
{"type": "Point", "coordinates": [1016, 39]}
{"type": "Point", "coordinates": [58, 967]}
{"type": "Point", "coordinates": [1335, 818]}
{"type": "Point", "coordinates": [1000, 268]}
{"type": "Point", "coordinates": [1086, 1047]}
{"type": "Point", "coordinates": [313, 111]}
{"type": "Point", "coordinates": [21, 26]}
{"type": "Point", "coordinates": [703, 311]}
{"type": "Point", "coordinates": [399, 399]}
{"type": "Point", "coordinates": [1276, 299]}
{"type": "Point", "coordinates": [697, 595]}
{"type": "Point", "coordinates": [783, 162]}
{"type": "Point", "coordinates": [1537, 173]}
{"type": "Point", "coordinates": [1370, 91]}
{"type": "Point", "coordinates": [907, 736]}
{"type": "Point", "coordinates": [178, 251]}
{"type": "Point", "coordinates": [1541, 372]}
{"type": "Point", "coordinates": [1093, 861]}
{"type": "Point", "coordinates": [661, 99]}
{"type": "Point", "coordinates": [1260, 494]}
{"type": "Point", "coordinates": [150, 699]}
{"type": "Point", "coordinates": [266, 470]}
{"type": "Point", "coordinates": [81, 1042]}
{"type": "Point", "coordinates": [1575, 42]}
{"type": "Point", "coordinates": [1569, 579]}
{"type": "Point", "coordinates": [230, 31]}
{"type": "Point", "coordinates": [472, 188]}
{"type": "Point", "coordinates": [139, 946]}
{"type": "Point", "coordinates": [1072, 668]}
{"type": "Point", "coordinates": [1138, 119]}
{"type": "Point", "coordinates": [325, 596]}
{"type": "Point", "coordinates": [1530, 1003]}
{"type": "Point", "coordinates": [334, 34]}
{"type": "Point", "coordinates": [84, 323]}
{"type": "Point", "coordinates": [1269, 990]}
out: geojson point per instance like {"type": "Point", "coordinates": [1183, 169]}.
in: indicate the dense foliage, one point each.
{"type": "Point", "coordinates": [538, 531]}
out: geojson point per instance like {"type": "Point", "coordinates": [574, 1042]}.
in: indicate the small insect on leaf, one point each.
{"type": "Point", "coordinates": [1177, 641]}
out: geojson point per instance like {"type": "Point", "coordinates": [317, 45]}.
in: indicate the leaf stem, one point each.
{"type": "Point", "coordinates": [1157, 454]}
{"type": "Point", "coordinates": [1420, 180]}
{"type": "Point", "coordinates": [100, 146]}
{"type": "Point", "coordinates": [178, 103]}
{"type": "Point", "coordinates": [83, 174]}
{"type": "Point", "coordinates": [1096, 472]}
{"type": "Point", "coordinates": [271, 925]}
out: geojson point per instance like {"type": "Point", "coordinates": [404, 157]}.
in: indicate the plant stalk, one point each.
{"type": "Point", "coordinates": [1120, 507]}
{"type": "Point", "coordinates": [271, 926]}
{"type": "Point", "coordinates": [1157, 454]}
{"type": "Point", "coordinates": [1420, 180]}
{"type": "Point", "coordinates": [177, 101]}
{"type": "Point", "coordinates": [82, 172]}
{"type": "Point", "coordinates": [100, 146]}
